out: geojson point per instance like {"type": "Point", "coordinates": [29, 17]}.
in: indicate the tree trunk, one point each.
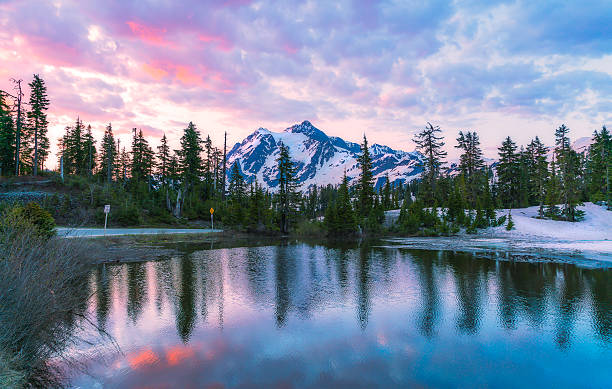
{"type": "Point", "coordinates": [35, 172]}
{"type": "Point", "coordinates": [179, 204]}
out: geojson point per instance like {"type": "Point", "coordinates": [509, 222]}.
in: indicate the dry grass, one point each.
{"type": "Point", "coordinates": [43, 298]}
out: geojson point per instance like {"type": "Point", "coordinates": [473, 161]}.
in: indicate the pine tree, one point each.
{"type": "Point", "coordinates": [508, 174]}
{"type": "Point", "coordinates": [386, 193]}
{"type": "Point", "coordinates": [524, 185]}
{"type": "Point", "coordinates": [568, 163]}
{"type": "Point", "coordinates": [190, 159]}
{"type": "Point", "coordinates": [287, 195]}
{"type": "Point", "coordinates": [37, 121]}
{"type": "Point", "coordinates": [142, 156]}
{"type": "Point", "coordinates": [72, 149]}
{"type": "Point", "coordinates": [430, 145]}
{"type": "Point", "coordinates": [257, 208]}
{"type": "Point", "coordinates": [365, 187]}
{"type": "Point", "coordinates": [471, 164]}
{"type": "Point", "coordinates": [538, 172]}
{"type": "Point", "coordinates": [552, 193]}
{"type": "Point", "coordinates": [124, 164]}
{"type": "Point", "coordinates": [7, 139]}
{"type": "Point", "coordinates": [89, 146]}
{"type": "Point", "coordinates": [163, 158]}
{"type": "Point", "coordinates": [236, 191]}
{"type": "Point", "coordinates": [346, 221]}
{"type": "Point", "coordinates": [173, 167]}
{"type": "Point", "coordinates": [208, 163]}
{"type": "Point", "coordinates": [510, 225]}
{"type": "Point", "coordinates": [108, 154]}
{"type": "Point", "coordinates": [599, 164]}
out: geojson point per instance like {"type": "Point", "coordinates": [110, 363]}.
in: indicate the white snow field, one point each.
{"type": "Point", "coordinates": [590, 239]}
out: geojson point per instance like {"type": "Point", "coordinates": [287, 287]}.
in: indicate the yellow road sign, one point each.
{"type": "Point", "coordinates": [212, 211]}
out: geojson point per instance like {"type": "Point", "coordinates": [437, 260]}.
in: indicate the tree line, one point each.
{"type": "Point", "coordinates": [160, 185]}
{"type": "Point", "coordinates": [24, 145]}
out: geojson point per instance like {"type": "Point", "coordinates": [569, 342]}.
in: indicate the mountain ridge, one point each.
{"type": "Point", "coordinates": [319, 159]}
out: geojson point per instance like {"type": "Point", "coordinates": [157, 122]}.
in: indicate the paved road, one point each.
{"type": "Point", "coordinates": [91, 232]}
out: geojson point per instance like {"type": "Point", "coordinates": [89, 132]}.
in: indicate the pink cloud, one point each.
{"type": "Point", "coordinates": [149, 34]}
{"type": "Point", "coordinates": [221, 42]}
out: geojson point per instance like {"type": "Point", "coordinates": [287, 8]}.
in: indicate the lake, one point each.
{"type": "Point", "coordinates": [304, 315]}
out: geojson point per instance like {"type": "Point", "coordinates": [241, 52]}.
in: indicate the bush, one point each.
{"type": "Point", "coordinates": [43, 290]}
{"type": "Point", "coordinates": [310, 228]}
{"type": "Point", "coordinates": [126, 216]}
{"type": "Point", "coordinates": [29, 217]}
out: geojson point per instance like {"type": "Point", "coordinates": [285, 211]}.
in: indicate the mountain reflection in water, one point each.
{"type": "Point", "coordinates": [307, 315]}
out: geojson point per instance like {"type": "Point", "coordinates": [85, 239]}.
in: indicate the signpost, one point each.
{"type": "Point", "coordinates": [212, 224]}
{"type": "Point", "coordinates": [106, 211]}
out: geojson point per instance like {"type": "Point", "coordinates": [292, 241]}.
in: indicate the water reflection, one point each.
{"type": "Point", "coordinates": [185, 307]}
{"type": "Point", "coordinates": [353, 301]}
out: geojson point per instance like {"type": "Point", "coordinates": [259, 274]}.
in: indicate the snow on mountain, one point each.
{"type": "Point", "coordinates": [319, 159]}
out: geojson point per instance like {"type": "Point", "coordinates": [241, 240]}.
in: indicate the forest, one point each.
{"type": "Point", "coordinates": [148, 185]}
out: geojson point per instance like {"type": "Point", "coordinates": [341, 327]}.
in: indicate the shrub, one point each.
{"type": "Point", "coordinates": [43, 290]}
{"type": "Point", "coordinates": [310, 228]}
{"type": "Point", "coordinates": [510, 225]}
{"type": "Point", "coordinates": [126, 216]}
{"type": "Point", "coordinates": [29, 217]}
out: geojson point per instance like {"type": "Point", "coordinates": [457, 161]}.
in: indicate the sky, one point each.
{"type": "Point", "coordinates": [383, 68]}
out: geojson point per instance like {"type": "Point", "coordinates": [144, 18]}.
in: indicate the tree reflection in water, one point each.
{"type": "Point", "coordinates": [300, 294]}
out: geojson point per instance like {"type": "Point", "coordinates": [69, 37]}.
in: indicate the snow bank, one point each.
{"type": "Point", "coordinates": [597, 225]}
{"type": "Point", "coordinates": [586, 241]}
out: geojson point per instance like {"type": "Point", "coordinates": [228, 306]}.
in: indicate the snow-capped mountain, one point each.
{"type": "Point", "coordinates": [319, 159]}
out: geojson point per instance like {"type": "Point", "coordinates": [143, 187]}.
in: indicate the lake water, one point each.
{"type": "Point", "coordinates": [301, 315]}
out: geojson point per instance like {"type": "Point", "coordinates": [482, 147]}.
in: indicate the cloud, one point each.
{"type": "Point", "coordinates": [390, 65]}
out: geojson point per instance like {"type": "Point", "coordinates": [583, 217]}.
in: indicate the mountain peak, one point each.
{"type": "Point", "coordinates": [309, 130]}
{"type": "Point", "coordinates": [319, 159]}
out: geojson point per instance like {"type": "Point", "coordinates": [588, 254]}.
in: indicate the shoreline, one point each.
{"type": "Point", "coordinates": [140, 248]}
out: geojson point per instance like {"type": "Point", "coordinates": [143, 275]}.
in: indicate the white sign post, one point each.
{"type": "Point", "coordinates": [106, 211]}
{"type": "Point", "coordinates": [212, 223]}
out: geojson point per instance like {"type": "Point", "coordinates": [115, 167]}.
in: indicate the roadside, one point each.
{"type": "Point", "coordinates": [68, 232]}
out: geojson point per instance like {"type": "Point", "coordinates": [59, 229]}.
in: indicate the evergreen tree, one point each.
{"type": "Point", "coordinates": [568, 163]}
{"type": "Point", "coordinates": [208, 162]}
{"type": "Point", "coordinates": [430, 144]}
{"type": "Point", "coordinates": [538, 172]}
{"type": "Point", "coordinates": [552, 193]}
{"type": "Point", "coordinates": [108, 154]}
{"type": "Point", "coordinates": [471, 164]}
{"type": "Point", "coordinates": [7, 139]}
{"type": "Point", "coordinates": [365, 187]}
{"type": "Point", "coordinates": [599, 164]}
{"type": "Point", "coordinates": [89, 145]}
{"type": "Point", "coordinates": [524, 186]}
{"type": "Point", "coordinates": [37, 121]}
{"type": "Point", "coordinates": [236, 191]}
{"type": "Point", "coordinates": [287, 195]}
{"type": "Point", "coordinates": [142, 156]}
{"type": "Point", "coordinates": [190, 159]}
{"type": "Point", "coordinates": [163, 158]}
{"type": "Point", "coordinates": [123, 165]}
{"type": "Point", "coordinates": [386, 193]}
{"type": "Point", "coordinates": [258, 211]}
{"type": "Point", "coordinates": [173, 167]}
{"type": "Point", "coordinates": [510, 225]}
{"type": "Point", "coordinates": [508, 174]}
{"type": "Point", "coordinates": [72, 150]}
{"type": "Point", "coordinates": [345, 222]}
